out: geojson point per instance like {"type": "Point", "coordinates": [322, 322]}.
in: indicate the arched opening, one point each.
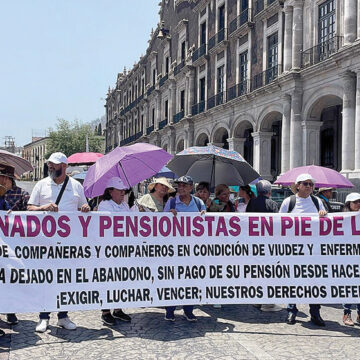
{"type": "Point", "coordinates": [202, 140]}
{"type": "Point", "coordinates": [242, 135]}
{"type": "Point", "coordinates": [327, 111]}
{"type": "Point", "coordinates": [272, 124]}
{"type": "Point", "coordinates": [330, 137]}
{"type": "Point", "coordinates": [180, 146]}
{"type": "Point", "coordinates": [220, 138]}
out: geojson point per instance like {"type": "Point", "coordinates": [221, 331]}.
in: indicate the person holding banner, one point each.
{"type": "Point", "coordinates": [203, 192]}
{"type": "Point", "coordinates": [159, 191]}
{"type": "Point", "coordinates": [303, 202]}
{"type": "Point", "coordinates": [222, 202]}
{"type": "Point", "coordinates": [183, 202]}
{"type": "Point", "coordinates": [352, 203]}
{"type": "Point", "coordinates": [57, 192]}
{"type": "Point", "coordinates": [113, 201]}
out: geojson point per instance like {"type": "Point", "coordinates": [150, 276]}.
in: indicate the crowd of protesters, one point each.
{"type": "Point", "coordinates": [59, 192]}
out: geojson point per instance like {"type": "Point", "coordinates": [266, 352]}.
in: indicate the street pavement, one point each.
{"type": "Point", "coordinates": [232, 332]}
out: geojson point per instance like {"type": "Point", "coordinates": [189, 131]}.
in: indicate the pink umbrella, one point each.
{"type": "Point", "coordinates": [132, 164]}
{"type": "Point", "coordinates": [84, 158]}
{"type": "Point", "coordinates": [324, 177]}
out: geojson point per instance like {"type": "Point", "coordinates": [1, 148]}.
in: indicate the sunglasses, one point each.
{"type": "Point", "coordinates": [307, 183]}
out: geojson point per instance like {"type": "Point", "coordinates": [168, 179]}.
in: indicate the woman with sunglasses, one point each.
{"type": "Point", "coordinates": [352, 203]}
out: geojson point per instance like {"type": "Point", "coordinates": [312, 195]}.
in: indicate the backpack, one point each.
{"type": "Point", "coordinates": [293, 202]}
{"type": "Point", "coordinates": [196, 199]}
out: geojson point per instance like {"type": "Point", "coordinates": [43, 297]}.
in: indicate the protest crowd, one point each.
{"type": "Point", "coordinates": [59, 192]}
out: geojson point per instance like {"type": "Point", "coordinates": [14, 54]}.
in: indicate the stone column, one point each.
{"type": "Point", "coordinates": [357, 123]}
{"type": "Point", "coordinates": [146, 118]}
{"type": "Point", "coordinates": [189, 130]}
{"type": "Point", "coordinates": [288, 10]}
{"type": "Point", "coordinates": [297, 34]}
{"type": "Point", "coordinates": [350, 20]}
{"type": "Point", "coordinates": [158, 111]}
{"type": "Point", "coordinates": [295, 130]}
{"type": "Point", "coordinates": [237, 144]}
{"type": "Point", "coordinates": [187, 110]}
{"type": "Point", "coordinates": [262, 153]}
{"type": "Point", "coordinates": [348, 121]}
{"type": "Point", "coordinates": [172, 102]}
{"type": "Point", "coordinates": [311, 142]}
{"type": "Point", "coordinates": [172, 142]}
{"type": "Point", "coordinates": [285, 133]}
{"type": "Point", "coordinates": [358, 20]}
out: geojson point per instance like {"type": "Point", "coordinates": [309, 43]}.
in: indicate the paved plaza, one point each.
{"type": "Point", "coordinates": [232, 332]}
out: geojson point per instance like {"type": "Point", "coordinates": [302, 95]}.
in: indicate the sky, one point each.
{"type": "Point", "coordinates": [58, 58]}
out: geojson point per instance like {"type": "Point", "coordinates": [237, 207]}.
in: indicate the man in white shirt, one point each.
{"type": "Point", "coordinates": [303, 202]}
{"type": "Point", "coordinates": [44, 197]}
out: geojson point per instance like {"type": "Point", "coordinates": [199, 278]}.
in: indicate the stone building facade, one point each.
{"type": "Point", "coordinates": [35, 152]}
{"type": "Point", "coordinates": [276, 80]}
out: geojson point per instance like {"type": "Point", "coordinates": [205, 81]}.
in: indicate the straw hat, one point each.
{"type": "Point", "coordinates": [322, 189]}
{"type": "Point", "coordinates": [162, 181]}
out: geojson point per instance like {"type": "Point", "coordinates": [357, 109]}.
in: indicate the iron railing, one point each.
{"type": "Point", "coordinates": [177, 117]}
{"type": "Point", "coordinates": [242, 19]}
{"type": "Point", "coordinates": [163, 123]}
{"type": "Point", "coordinates": [217, 38]}
{"type": "Point", "coordinates": [238, 90]}
{"type": "Point", "coordinates": [149, 130]}
{"type": "Point", "coordinates": [163, 79]}
{"type": "Point", "coordinates": [218, 99]}
{"type": "Point", "coordinates": [178, 67]}
{"type": "Point", "coordinates": [150, 90]}
{"type": "Point", "coordinates": [198, 108]}
{"type": "Point", "coordinates": [265, 77]}
{"type": "Point", "coordinates": [199, 52]}
{"type": "Point", "coordinates": [321, 51]}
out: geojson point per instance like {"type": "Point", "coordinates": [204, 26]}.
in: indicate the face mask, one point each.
{"type": "Point", "coordinates": [231, 197]}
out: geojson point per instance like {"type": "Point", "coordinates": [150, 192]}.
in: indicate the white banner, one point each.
{"type": "Point", "coordinates": [73, 261]}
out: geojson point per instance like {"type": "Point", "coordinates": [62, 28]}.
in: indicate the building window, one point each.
{"type": "Point", "coordinates": [327, 18]}
{"type": "Point", "coordinates": [202, 90]}
{"type": "Point", "coordinates": [203, 33]}
{"type": "Point", "coordinates": [243, 64]}
{"type": "Point", "coordinates": [244, 4]}
{"type": "Point", "coordinates": [166, 109]}
{"type": "Point", "coordinates": [272, 53]}
{"type": "Point", "coordinates": [183, 54]}
{"type": "Point", "coordinates": [153, 116]}
{"type": "Point", "coordinates": [221, 17]}
{"type": "Point", "coordinates": [166, 65]}
{"type": "Point", "coordinates": [220, 79]}
{"type": "Point", "coordinates": [182, 100]}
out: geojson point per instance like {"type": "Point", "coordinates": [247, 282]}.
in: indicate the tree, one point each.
{"type": "Point", "coordinates": [99, 130]}
{"type": "Point", "coordinates": [95, 130]}
{"type": "Point", "coordinates": [70, 138]}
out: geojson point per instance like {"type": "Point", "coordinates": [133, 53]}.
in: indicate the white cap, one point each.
{"type": "Point", "coordinates": [58, 158]}
{"type": "Point", "coordinates": [116, 183]}
{"type": "Point", "coordinates": [352, 197]}
{"type": "Point", "coordinates": [303, 177]}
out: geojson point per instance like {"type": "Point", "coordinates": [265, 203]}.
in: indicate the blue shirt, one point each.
{"type": "Point", "coordinates": [181, 207]}
{"type": "Point", "coordinates": [4, 205]}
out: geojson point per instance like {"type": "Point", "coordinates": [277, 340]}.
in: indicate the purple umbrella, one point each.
{"type": "Point", "coordinates": [132, 164]}
{"type": "Point", "coordinates": [324, 177]}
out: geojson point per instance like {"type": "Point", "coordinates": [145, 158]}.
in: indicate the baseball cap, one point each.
{"type": "Point", "coordinates": [58, 158]}
{"type": "Point", "coordinates": [186, 179]}
{"type": "Point", "coordinates": [352, 197]}
{"type": "Point", "coordinates": [116, 183]}
{"type": "Point", "coordinates": [303, 177]}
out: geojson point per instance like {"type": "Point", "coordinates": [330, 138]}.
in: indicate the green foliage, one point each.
{"type": "Point", "coordinates": [70, 138]}
{"type": "Point", "coordinates": [99, 130]}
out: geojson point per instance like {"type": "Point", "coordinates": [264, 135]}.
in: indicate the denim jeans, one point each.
{"type": "Point", "coordinates": [347, 308]}
{"type": "Point", "coordinates": [46, 315]}
{"type": "Point", "coordinates": [314, 309]}
{"type": "Point", "coordinates": [188, 309]}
